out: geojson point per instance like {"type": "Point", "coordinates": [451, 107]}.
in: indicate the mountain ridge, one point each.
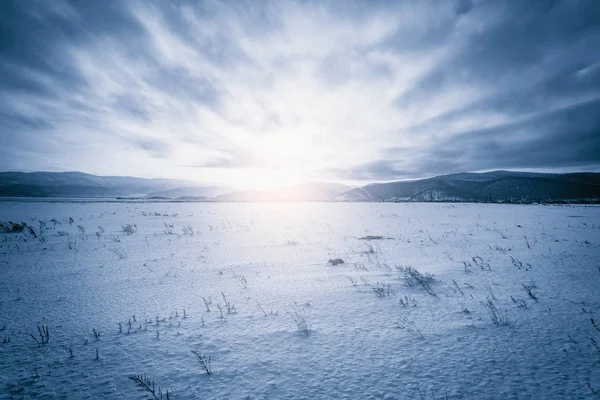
{"type": "Point", "coordinates": [493, 186]}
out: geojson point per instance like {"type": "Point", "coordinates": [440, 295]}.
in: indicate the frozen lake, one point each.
{"type": "Point", "coordinates": [292, 325]}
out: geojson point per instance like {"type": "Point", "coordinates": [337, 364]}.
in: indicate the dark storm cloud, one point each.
{"type": "Point", "coordinates": [532, 42]}
{"type": "Point", "coordinates": [31, 32]}
{"type": "Point", "coordinates": [539, 72]}
{"type": "Point", "coordinates": [564, 88]}
{"type": "Point", "coordinates": [563, 138]}
{"type": "Point", "coordinates": [35, 38]}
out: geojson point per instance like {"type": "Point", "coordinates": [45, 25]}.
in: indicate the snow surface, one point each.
{"type": "Point", "coordinates": [360, 345]}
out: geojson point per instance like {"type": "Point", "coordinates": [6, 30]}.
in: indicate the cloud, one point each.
{"type": "Point", "coordinates": [335, 90]}
{"type": "Point", "coordinates": [155, 147]}
{"type": "Point", "coordinates": [375, 170]}
{"type": "Point", "coordinates": [562, 138]}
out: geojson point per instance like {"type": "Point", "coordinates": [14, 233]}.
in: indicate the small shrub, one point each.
{"type": "Point", "coordinates": [204, 362]}
{"type": "Point", "coordinates": [481, 264]}
{"type": "Point", "coordinates": [409, 326]}
{"type": "Point", "coordinates": [44, 335]}
{"type": "Point", "coordinates": [467, 267]}
{"type": "Point", "coordinates": [359, 266]}
{"type": "Point", "coordinates": [516, 262]}
{"type": "Point", "coordinates": [369, 249]}
{"type": "Point", "coordinates": [128, 229]}
{"type": "Point", "coordinates": [382, 289]}
{"type": "Point", "coordinates": [12, 227]}
{"type": "Point", "coordinates": [497, 317]}
{"type": "Point", "coordinates": [34, 235]}
{"type": "Point", "coordinates": [519, 302]}
{"type": "Point", "coordinates": [407, 301]}
{"type": "Point", "coordinates": [594, 343]}
{"type": "Point", "coordinates": [207, 303]}
{"type": "Point", "coordinates": [597, 347]}
{"type": "Point", "coordinates": [169, 228]}
{"type": "Point", "coordinates": [302, 325]}
{"type": "Point", "coordinates": [241, 280]}
{"type": "Point", "coordinates": [458, 288]}
{"type": "Point", "coordinates": [530, 289]}
{"type": "Point", "coordinates": [143, 382]}
{"type": "Point", "coordinates": [119, 253]}
{"type": "Point", "coordinates": [369, 237]}
{"type": "Point", "coordinates": [412, 277]}
{"type": "Point", "coordinates": [228, 305]}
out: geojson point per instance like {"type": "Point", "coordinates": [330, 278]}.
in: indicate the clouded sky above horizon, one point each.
{"type": "Point", "coordinates": [266, 92]}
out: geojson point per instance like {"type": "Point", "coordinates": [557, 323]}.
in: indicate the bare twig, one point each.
{"type": "Point", "coordinates": [143, 382]}
{"type": "Point", "coordinates": [43, 333]}
{"type": "Point", "coordinates": [204, 361]}
{"type": "Point", "coordinates": [261, 309]}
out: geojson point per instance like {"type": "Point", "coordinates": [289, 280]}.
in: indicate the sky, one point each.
{"type": "Point", "coordinates": [261, 93]}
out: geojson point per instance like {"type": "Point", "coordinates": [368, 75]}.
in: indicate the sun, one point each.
{"type": "Point", "coordinates": [280, 160]}
{"type": "Point", "coordinates": [264, 178]}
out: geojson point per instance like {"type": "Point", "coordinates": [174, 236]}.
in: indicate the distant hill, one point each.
{"type": "Point", "coordinates": [314, 191]}
{"type": "Point", "coordinates": [504, 186]}
{"type": "Point", "coordinates": [190, 192]}
{"type": "Point", "coordinates": [78, 184]}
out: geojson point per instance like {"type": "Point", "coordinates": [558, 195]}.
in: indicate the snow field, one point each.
{"type": "Point", "coordinates": [297, 326]}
